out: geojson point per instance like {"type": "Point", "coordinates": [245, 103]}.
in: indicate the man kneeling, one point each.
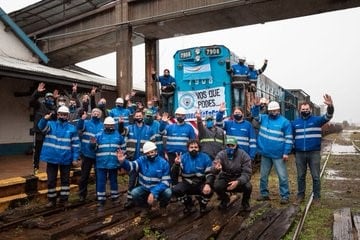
{"type": "Point", "coordinates": [233, 167]}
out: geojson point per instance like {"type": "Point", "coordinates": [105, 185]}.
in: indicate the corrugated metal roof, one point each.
{"type": "Point", "coordinates": [49, 12]}
{"type": "Point", "coordinates": [31, 69]}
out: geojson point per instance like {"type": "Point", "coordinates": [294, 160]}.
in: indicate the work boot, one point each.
{"type": "Point", "coordinates": [284, 201]}
{"type": "Point", "coordinates": [299, 200]}
{"type": "Point", "coordinates": [82, 199]}
{"type": "Point", "coordinates": [189, 209]}
{"type": "Point", "coordinates": [263, 198]}
{"type": "Point", "coordinates": [115, 201]}
{"type": "Point", "coordinates": [129, 204]}
{"type": "Point", "coordinates": [51, 204]}
{"type": "Point", "coordinates": [245, 207]}
{"type": "Point", "coordinates": [100, 206]}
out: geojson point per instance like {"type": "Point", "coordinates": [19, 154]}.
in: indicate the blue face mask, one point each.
{"type": "Point", "coordinates": [230, 152]}
{"type": "Point", "coordinates": [95, 118]}
{"type": "Point", "coordinates": [209, 124]}
{"type": "Point", "coordinates": [49, 102]}
{"type": "Point", "coordinates": [148, 120]}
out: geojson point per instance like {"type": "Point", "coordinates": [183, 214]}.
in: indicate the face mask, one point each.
{"type": "Point", "coordinates": [49, 102]}
{"type": "Point", "coordinates": [238, 117]}
{"type": "Point", "coordinates": [151, 158]}
{"type": "Point", "coordinates": [180, 119]}
{"type": "Point", "coordinates": [72, 107]}
{"type": "Point", "coordinates": [101, 105]}
{"type": "Point", "coordinates": [209, 124]}
{"type": "Point", "coordinates": [109, 130]}
{"type": "Point", "coordinates": [273, 115]}
{"type": "Point", "coordinates": [193, 153]}
{"type": "Point", "coordinates": [85, 104]}
{"type": "Point", "coordinates": [305, 114]}
{"type": "Point", "coordinates": [119, 105]}
{"type": "Point", "coordinates": [230, 152]}
{"type": "Point", "coordinates": [262, 106]}
{"type": "Point", "coordinates": [95, 118]}
{"type": "Point", "coordinates": [62, 119]}
{"type": "Point", "coordinates": [148, 120]}
{"type": "Point", "coordinates": [138, 120]}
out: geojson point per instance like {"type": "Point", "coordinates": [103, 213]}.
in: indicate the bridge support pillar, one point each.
{"type": "Point", "coordinates": [151, 64]}
{"type": "Point", "coordinates": [123, 61]}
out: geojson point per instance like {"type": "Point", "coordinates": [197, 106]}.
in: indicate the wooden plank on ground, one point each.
{"type": "Point", "coordinates": [281, 225]}
{"type": "Point", "coordinates": [232, 229]}
{"type": "Point", "coordinates": [356, 219]}
{"type": "Point", "coordinates": [342, 228]}
{"type": "Point", "coordinates": [256, 229]}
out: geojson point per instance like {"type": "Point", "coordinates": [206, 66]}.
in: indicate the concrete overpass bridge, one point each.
{"type": "Point", "coordinates": [71, 31]}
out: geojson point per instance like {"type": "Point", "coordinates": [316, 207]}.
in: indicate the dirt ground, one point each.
{"type": "Point", "coordinates": [340, 186]}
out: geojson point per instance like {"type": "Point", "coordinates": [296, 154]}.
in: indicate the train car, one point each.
{"type": "Point", "coordinates": [203, 82]}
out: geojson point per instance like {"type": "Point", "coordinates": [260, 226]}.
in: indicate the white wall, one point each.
{"type": "Point", "coordinates": [11, 46]}
{"type": "Point", "coordinates": [14, 112]}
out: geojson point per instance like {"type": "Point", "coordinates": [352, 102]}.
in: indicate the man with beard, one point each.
{"type": "Point", "coordinates": [195, 170]}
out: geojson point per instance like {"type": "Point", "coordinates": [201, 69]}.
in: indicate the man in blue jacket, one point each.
{"type": "Point", "coordinates": [89, 128]}
{"type": "Point", "coordinates": [238, 128]}
{"type": "Point", "coordinates": [61, 148]}
{"type": "Point", "coordinates": [154, 177]}
{"type": "Point", "coordinates": [197, 178]}
{"type": "Point", "coordinates": [307, 136]}
{"type": "Point", "coordinates": [274, 144]}
{"type": "Point", "coordinates": [168, 85]}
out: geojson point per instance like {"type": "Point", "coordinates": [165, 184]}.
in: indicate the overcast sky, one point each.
{"type": "Point", "coordinates": [319, 54]}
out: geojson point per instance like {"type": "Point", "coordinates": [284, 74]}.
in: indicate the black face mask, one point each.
{"type": "Point", "coordinates": [193, 153]}
{"type": "Point", "coordinates": [273, 115]}
{"type": "Point", "coordinates": [151, 158]}
{"type": "Point", "coordinates": [238, 117]}
{"type": "Point", "coordinates": [138, 120]}
{"type": "Point", "coordinates": [180, 119]}
{"type": "Point", "coordinates": [62, 119]}
{"type": "Point", "coordinates": [109, 130]}
{"type": "Point", "coordinates": [305, 114]}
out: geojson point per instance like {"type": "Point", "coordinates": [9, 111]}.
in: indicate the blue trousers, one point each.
{"type": "Point", "coordinates": [141, 193]}
{"type": "Point", "coordinates": [281, 171]}
{"type": "Point", "coordinates": [102, 175]}
{"type": "Point", "coordinates": [311, 159]}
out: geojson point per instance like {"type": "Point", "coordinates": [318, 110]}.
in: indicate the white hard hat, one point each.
{"type": "Point", "coordinates": [273, 106]}
{"type": "Point", "coordinates": [180, 110]}
{"type": "Point", "coordinates": [109, 121]}
{"type": "Point", "coordinates": [242, 58]}
{"type": "Point", "coordinates": [251, 63]}
{"type": "Point", "coordinates": [63, 109]}
{"type": "Point", "coordinates": [119, 100]}
{"type": "Point", "coordinates": [149, 146]}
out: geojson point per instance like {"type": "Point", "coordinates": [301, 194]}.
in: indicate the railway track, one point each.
{"type": "Point", "coordinates": [83, 221]}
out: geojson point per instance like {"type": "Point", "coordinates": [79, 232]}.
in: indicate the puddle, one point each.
{"type": "Point", "coordinates": [331, 174]}
{"type": "Point", "coordinates": [338, 149]}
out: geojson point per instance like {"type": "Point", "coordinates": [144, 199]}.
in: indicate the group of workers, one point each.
{"type": "Point", "coordinates": [166, 159]}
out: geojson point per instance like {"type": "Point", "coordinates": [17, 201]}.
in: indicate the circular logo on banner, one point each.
{"type": "Point", "coordinates": [187, 101]}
